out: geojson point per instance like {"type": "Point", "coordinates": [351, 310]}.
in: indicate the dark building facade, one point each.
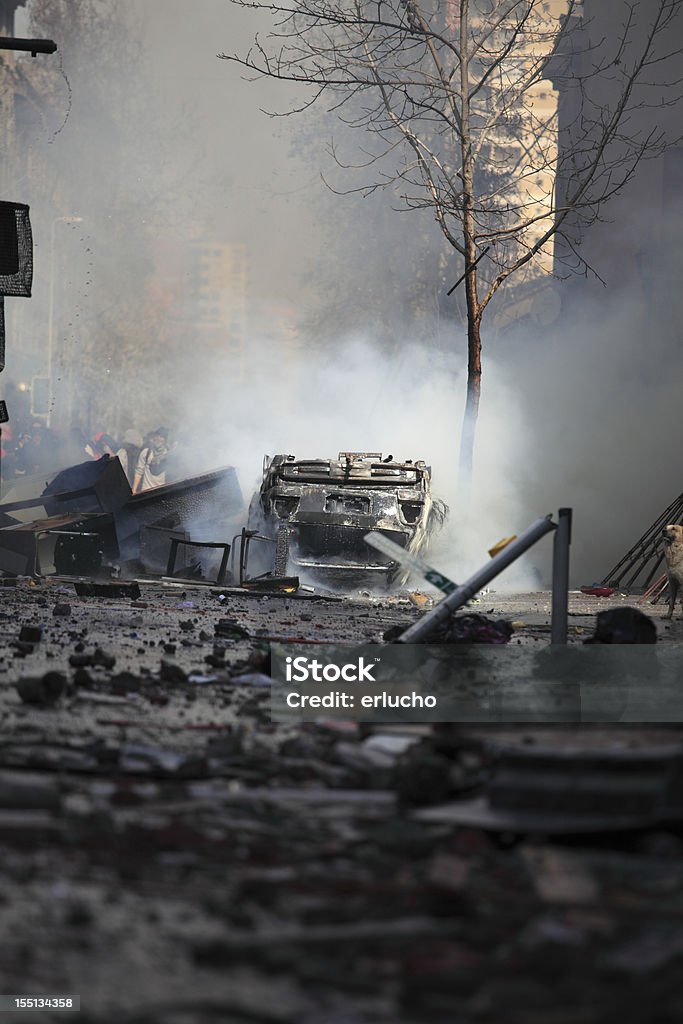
{"type": "Point", "coordinates": [635, 244]}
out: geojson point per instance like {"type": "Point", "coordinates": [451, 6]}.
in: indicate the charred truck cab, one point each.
{"type": "Point", "coordinates": [317, 511]}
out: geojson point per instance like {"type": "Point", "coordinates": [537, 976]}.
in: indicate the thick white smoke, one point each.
{"type": "Point", "coordinates": [584, 414]}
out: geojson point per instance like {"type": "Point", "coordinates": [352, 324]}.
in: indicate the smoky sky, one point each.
{"type": "Point", "coordinates": [582, 412]}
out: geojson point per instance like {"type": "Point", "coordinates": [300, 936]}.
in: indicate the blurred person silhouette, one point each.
{"type": "Point", "coordinates": [7, 452]}
{"type": "Point", "coordinates": [151, 466]}
{"type": "Point", "coordinates": [106, 446]}
{"type": "Point", "coordinates": [101, 444]}
{"type": "Point", "coordinates": [92, 447]}
{"type": "Point", "coordinates": [35, 451]}
{"type": "Point", "coordinates": [128, 453]}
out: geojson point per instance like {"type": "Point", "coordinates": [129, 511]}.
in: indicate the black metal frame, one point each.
{"type": "Point", "coordinates": [177, 541]}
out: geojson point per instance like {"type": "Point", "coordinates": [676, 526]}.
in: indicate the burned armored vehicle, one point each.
{"type": "Point", "coordinates": [316, 512]}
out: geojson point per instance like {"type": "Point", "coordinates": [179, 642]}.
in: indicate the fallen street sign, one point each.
{"type": "Point", "coordinates": [410, 561]}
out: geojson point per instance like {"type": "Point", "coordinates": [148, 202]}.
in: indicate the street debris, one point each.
{"type": "Point", "coordinates": [45, 690]}
{"type": "Point", "coordinates": [473, 629]}
{"type": "Point", "coordinates": [408, 560]}
{"type": "Point", "coordinates": [462, 629]}
{"type": "Point", "coordinates": [155, 821]}
{"type": "Point", "coordinates": [86, 588]}
{"type": "Point", "coordinates": [623, 626]}
{"type": "Point", "coordinates": [89, 523]}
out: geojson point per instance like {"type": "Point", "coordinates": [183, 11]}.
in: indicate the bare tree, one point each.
{"type": "Point", "coordinates": [449, 95]}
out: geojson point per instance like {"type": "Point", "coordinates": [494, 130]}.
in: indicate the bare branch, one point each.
{"type": "Point", "coordinates": [454, 99]}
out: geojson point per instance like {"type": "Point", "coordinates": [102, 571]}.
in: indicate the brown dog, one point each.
{"type": "Point", "coordinates": [672, 536]}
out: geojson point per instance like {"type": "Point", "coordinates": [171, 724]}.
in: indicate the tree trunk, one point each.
{"type": "Point", "coordinates": [469, 422]}
{"type": "Point", "coordinates": [474, 310]}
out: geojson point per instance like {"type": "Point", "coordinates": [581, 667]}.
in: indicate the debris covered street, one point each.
{"type": "Point", "coordinates": [171, 855]}
{"type": "Point", "coordinates": [310, 711]}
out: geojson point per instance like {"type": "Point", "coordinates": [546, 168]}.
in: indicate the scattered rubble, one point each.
{"type": "Point", "coordinates": [158, 830]}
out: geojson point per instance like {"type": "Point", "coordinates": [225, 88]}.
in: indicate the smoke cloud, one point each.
{"type": "Point", "coordinates": [582, 413]}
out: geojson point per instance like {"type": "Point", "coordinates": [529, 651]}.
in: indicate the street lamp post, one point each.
{"type": "Point", "coordinates": [51, 309]}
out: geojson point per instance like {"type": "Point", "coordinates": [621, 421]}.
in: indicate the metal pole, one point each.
{"type": "Point", "coordinates": [561, 542]}
{"type": "Point", "coordinates": [424, 626]}
{"type": "Point", "coordinates": [32, 46]}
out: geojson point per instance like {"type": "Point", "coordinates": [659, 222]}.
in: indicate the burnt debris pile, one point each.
{"type": "Point", "coordinates": [87, 522]}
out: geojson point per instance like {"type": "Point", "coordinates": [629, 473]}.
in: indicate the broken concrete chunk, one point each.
{"type": "Point", "coordinates": [172, 673]}
{"type": "Point", "coordinates": [31, 634]}
{"type": "Point", "coordinates": [97, 658]}
{"type": "Point", "coordinates": [43, 690]}
{"type": "Point", "coordinates": [22, 648]}
{"type": "Point", "coordinates": [125, 682]}
{"type": "Point", "coordinates": [230, 630]}
{"type": "Point", "coordinates": [103, 658]}
{"type": "Point", "coordinates": [82, 677]}
{"type": "Point", "coordinates": [80, 660]}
